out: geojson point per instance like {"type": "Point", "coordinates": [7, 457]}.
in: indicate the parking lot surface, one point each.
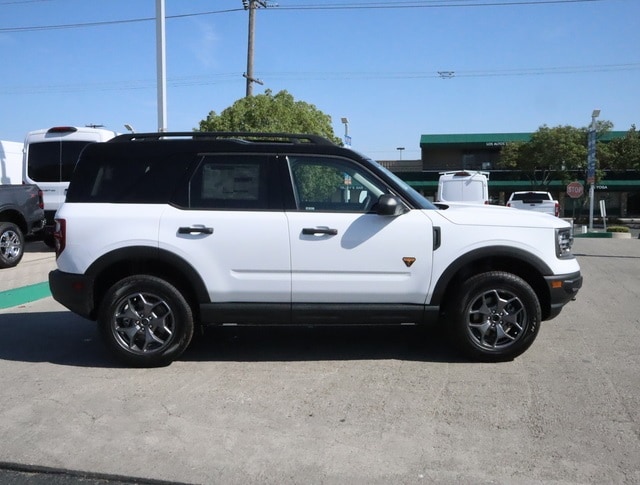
{"type": "Point", "coordinates": [353, 405]}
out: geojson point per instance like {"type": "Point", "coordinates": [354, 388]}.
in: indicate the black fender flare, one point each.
{"type": "Point", "coordinates": [141, 257]}
{"type": "Point", "coordinates": [485, 254]}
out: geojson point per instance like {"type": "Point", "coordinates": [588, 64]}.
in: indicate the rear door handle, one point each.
{"type": "Point", "coordinates": [312, 231]}
{"type": "Point", "coordinates": [195, 230]}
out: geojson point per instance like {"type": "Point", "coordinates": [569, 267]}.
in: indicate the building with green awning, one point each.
{"type": "Point", "coordinates": [481, 151]}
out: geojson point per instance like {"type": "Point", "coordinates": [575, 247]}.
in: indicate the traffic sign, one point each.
{"type": "Point", "coordinates": [575, 190]}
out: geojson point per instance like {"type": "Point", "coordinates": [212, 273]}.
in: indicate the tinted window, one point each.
{"type": "Point", "coordinates": [230, 182]}
{"type": "Point", "coordinates": [53, 161]}
{"type": "Point", "coordinates": [127, 174]}
{"type": "Point", "coordinates": [530, 197]}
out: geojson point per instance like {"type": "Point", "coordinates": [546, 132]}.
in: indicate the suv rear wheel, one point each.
{"type": "Point", "coordinates": [496, 316]}
{"type": "Point", "coordinates": [146, 321]}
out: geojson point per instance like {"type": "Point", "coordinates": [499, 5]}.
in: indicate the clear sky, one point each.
{"type": "Point", "coordinates": [395, 69]}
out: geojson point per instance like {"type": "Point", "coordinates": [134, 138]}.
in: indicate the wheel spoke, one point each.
{"type": "Point", "coordinates": [10, 245]}
{"type": "Point", "coordinates": [143, 323]}
{"type": "Point", "coordinates": [496, 319]}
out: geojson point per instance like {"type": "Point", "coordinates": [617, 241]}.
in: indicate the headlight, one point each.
{"type": "Point", "coordinates": [564, 241]}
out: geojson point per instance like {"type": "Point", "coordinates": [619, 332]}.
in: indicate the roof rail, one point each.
{"type": "Point", "coordinates": [242, 136]}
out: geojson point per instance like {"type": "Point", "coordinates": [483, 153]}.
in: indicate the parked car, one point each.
{"type": "Point", "coordinates": [162, 233]}
{"type": "Point", "coordinates": [21, 214]}
{"type": "Point", "coordinates": [537, 201]}
{"type": "Point", "coordinates": [463, 186]}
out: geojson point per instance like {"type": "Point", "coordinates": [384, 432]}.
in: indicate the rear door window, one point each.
{"type": "Point", "coordinates": [234, 181]}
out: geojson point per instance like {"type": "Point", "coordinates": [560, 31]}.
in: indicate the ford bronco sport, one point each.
{"type": "Point", "coordinates": [163, 232]}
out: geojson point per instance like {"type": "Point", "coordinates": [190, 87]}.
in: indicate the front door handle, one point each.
{"type": "Point", "coordinates": [313, 231]}
{"type": "Point", "coordinates": [195, 230]}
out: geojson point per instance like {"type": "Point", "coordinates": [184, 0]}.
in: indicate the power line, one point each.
{"type": "Point", "coordinates": [21, 2]}
{"type": "Point", "coordinates": [325, 6]}
{"type": "Point", "coordinates": [221, 78]}
{"type": "Point", "coordinates": [428, 4]}
{"type": "Point", "coordinates": [110, 22]}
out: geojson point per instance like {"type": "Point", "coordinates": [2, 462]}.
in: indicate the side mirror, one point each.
{"type": "Point", "coordinates": [390, 205]}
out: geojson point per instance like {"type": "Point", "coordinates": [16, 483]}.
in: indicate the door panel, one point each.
{"type": "Point", "coordinates": [231, 227]}
{"type": "Point", "coordinates": [242, 256]}
{"type": "Point", "coordinates": [341, 250]}
{"type": "Point", "coordinates": [362, 259]}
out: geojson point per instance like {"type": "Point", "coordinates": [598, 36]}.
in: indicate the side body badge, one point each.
{"type": "Point", "coordinates": [408, 261]}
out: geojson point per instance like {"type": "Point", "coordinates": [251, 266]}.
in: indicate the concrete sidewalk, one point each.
{"type": "Point", "coordinates": [28, 281]}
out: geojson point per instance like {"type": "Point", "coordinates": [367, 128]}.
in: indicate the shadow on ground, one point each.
{"type": "Point", "coordinates": [66, 339]}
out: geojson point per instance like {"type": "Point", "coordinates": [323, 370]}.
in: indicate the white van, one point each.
{"type": "Point", "coordinates": [10, 162]}
{"type": "Point", "coordinates": [50, 157]}
{"type": "Point", "coordinates": [463, 186]}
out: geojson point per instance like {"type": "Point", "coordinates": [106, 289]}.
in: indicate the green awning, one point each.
{"type": "Point", "coordinates": [494, 139]}
{"type": "Point", "coordinates": [485, 139]}
{"type": "Point", "coordinates": [613, 185]}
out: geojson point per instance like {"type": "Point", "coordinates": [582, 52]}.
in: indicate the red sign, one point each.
{"type": "Point", "coordinates": [575, 190]}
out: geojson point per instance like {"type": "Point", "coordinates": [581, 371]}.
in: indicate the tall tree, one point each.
{"type": "Point", "coordinates": [625, 152]}
{"type": "Point", "coordinates": [551, 153]}
{"type": "Point", "coordinates": [279, 113]}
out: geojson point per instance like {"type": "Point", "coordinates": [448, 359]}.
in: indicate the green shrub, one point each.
{"type": "Point", "coordinates": [617, 229]}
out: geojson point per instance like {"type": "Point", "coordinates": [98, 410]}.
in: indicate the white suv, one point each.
{"type": "Point", "coordinates": [163, 232]}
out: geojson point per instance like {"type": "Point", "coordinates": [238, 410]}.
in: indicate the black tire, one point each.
{"type": "Point", "coordinates": [495, 316]}
{"type": "Point", "coordinates": [145, 321]}
{"type": "Point", "coordinates": [11, 245]}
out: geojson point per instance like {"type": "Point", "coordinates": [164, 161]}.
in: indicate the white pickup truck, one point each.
{"type": "Point", "coordinates": [535, 201]}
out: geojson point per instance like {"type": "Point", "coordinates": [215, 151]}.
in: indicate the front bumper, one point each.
{"type": "Point", "coordinates": [74, 291]}
{"type": "Point", "coordinates": [562, 289]}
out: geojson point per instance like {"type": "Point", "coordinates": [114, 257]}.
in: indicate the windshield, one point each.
{"type": "Point", "coordinates": [414, 195]}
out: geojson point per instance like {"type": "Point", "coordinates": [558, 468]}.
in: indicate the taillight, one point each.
{"type": "Point", "coordinates": [62, 129]}
{"type": "Point", "coordinates": [60, 236]}
{"type": "Point", "coordinates": [40, 199]}
{"type": "Point", "coordinates": [557, 209]}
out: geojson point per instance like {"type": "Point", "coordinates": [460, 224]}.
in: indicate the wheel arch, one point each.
{"type": "Point", "coordinates": [128, 261]}
{"type": "Point", "coordinates": [15, 217]}
{"type": "Point", "coordinates": [501, 258]}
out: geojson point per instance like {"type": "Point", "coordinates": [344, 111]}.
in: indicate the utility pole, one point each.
{"type": "Point", "coordinates": [251, 5]}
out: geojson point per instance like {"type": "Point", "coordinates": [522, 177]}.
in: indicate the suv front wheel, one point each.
{"type": "Point", "coordinates": [496, 316]}
{"type": "Point", "coordinates": [146, 321]}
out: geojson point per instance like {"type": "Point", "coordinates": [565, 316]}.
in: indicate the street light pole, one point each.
{"type": "Point", "coordinates": [400, 149]}
{"type": "Point", "coordinates": [347, 138]}
{"type": "Point", "coordinates": [591, 164]}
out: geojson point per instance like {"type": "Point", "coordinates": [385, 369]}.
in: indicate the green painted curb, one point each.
{"type": "Point", "coordinates": [25, 294]}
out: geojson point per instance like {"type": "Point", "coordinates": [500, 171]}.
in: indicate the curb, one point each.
{"type": "Point", "coordinates": [24, 294]}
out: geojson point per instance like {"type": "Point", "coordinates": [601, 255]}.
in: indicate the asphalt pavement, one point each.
{"type": "Point", "coordinates": [289, 406]}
